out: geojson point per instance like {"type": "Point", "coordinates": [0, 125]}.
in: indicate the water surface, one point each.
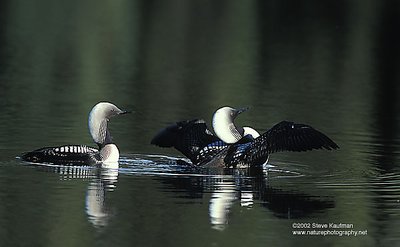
{"type": "Point", "coordinates": [333, 65]}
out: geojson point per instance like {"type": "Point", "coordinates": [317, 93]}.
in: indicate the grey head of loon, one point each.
{"type": "Point", "coordinates": [99, 116]}
{"type": "Point", "coordinates": [225, 127]}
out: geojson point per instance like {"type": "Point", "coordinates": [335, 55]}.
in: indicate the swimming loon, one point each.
{"type": "Point", "coordinates": [107, 153]}
{"type": "Point", "coordinates": [236, 146]}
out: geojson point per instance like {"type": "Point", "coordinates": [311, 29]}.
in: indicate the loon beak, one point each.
{"type": "Point", "coordinates": [125, 112]}
{"type": "Point", "coordinates": [240, 110]}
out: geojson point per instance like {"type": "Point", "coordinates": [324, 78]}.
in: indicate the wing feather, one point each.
{"type": "Point", "coordinates": [192, 138]}
{"type": "Point", "coordinates": [284, 136]}
{"type": "Point", "coordinates": [289, 136]}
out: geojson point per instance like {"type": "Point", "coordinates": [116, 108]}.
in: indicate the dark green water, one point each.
{"type": "Point", "coordinates": [332, 64]}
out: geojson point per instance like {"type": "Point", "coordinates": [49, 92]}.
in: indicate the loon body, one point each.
{"type": "Point", "coordinates": [107, 152]}
{"type": "Point", "coordinates": [235, 146]}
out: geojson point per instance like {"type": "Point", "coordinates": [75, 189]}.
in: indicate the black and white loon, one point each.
{"type": "Point", "coordinates": [235, 146]}
{"type": "Point", "coordinates": [106, 154]}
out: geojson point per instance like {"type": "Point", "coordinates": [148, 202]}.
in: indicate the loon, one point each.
{"type": "Point", "coordinates": [107, 152]}
{"type": "Point", "coordinates": [235, 146]}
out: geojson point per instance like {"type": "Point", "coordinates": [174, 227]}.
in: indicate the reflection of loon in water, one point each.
{"type": "Point", "coordinates": [228, 194]}
{"type": "Point", "coordinates": [221, 201]}
{"type": "Point", "coordinates": [283, 204]}
{"type": "Point", "coordinates": [101, 182]}
{"type": "Point", "coordinates": [107, 154]}
{"type": "Point", "coordinates": [96, 207]}
{"type": "Point", "coordinates": [235, 146]}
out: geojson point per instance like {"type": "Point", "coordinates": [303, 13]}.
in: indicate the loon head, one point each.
{"type": "Point", "coordinates": [224, 126]}
{"type": "Point", "coordinates": [98, 119]}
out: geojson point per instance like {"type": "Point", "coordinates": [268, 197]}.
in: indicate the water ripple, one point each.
{"type": "Point", "coordinates": [144, 164]}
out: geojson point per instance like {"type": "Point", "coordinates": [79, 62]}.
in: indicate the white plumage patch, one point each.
{"type": "Point", "coordinates": [250, 131]}
{"type": "Point", "coordinates": [75, 149]}
{"type": "Point", "coordinates": [109, 155]}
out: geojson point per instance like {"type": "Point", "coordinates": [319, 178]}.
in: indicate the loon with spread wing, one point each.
{"type": "Point", "coordinates": [236, 146]}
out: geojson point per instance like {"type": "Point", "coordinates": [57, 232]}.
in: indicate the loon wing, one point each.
{"type": "Point", "coordinates": [284, 136]}
{"type": "Point", "coordinates": [192, 138]}
{"type": "Point", "coordinates": [289, 136]}
{"type": "Point", "coordinates": [64, 155]}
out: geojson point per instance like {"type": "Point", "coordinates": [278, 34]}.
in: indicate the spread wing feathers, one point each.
{"type": "Point", "coordinates": [65, 155]}
{"type": "Point", "coordinates": [284, 136]}
{"type": "Point", "coordinates": [192, 138]}
{"type": "Point", "coordinates": [288, 136]}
